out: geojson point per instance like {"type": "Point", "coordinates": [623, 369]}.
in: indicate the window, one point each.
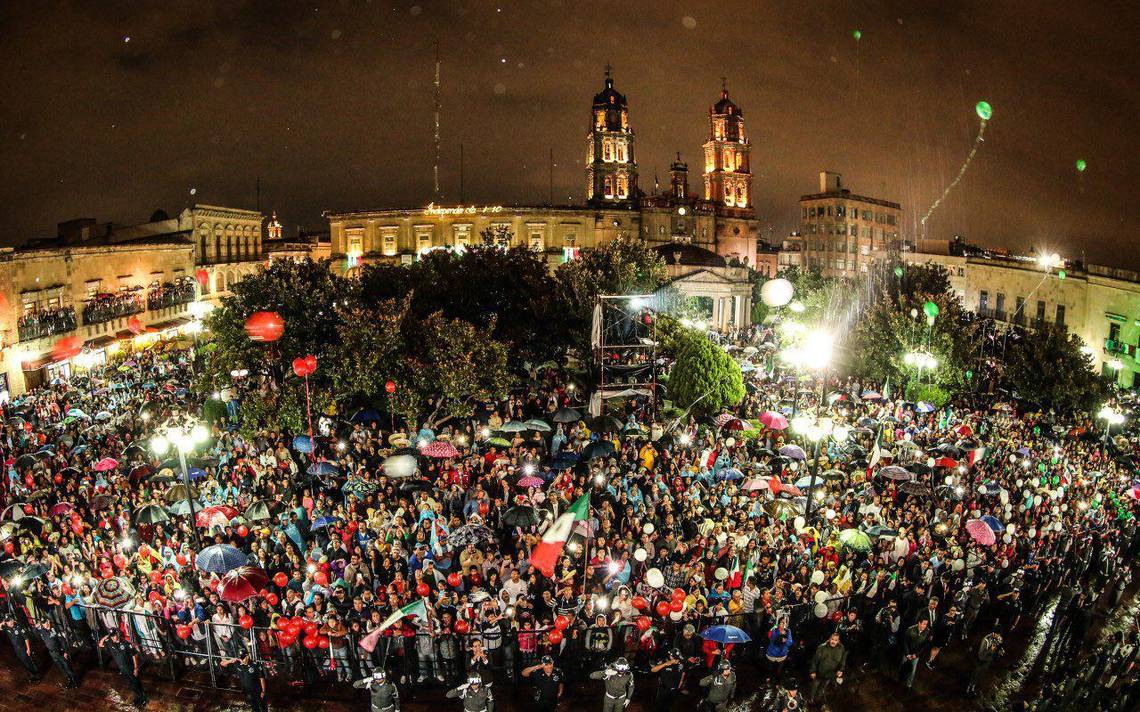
{"type": "Point", "coordinates": [961, 271]}
{"type": "Point", "coordinates": [1000, 304]}
{"type": "Point", "coordinates": [537, 242]}
{"type": "Point", "coordinates": [569, 239]}
{"type": "Point", "coordinates": [423, 240]}
{"type": "Point", "coordinates": [1114, 332]}
{"type": "Point", "coordinates": [389, 242]}
{"type": "Point", "coordinates": [983, 301]}
{"type": "Point", "coordinates": [1040, 310]}
{"type": "Point", "coordinates": [1060, 315]}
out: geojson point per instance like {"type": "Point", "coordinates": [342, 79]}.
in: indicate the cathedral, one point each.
{"type": "Point", "coordinates": [707, 240]}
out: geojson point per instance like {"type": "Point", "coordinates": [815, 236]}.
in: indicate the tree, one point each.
{"type": "Point", "coordinates": [704, 377]}
{"type": "Point", "coordinates": [1047, 367]}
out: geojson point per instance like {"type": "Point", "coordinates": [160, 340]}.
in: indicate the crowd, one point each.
{"type": "Point", "coordinates": [401, 559]}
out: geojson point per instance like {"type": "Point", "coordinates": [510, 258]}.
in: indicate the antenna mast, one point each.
{"type": "Point", "coordinates": [435, 166]}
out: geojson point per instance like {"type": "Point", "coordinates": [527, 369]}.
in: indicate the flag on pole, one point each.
{"type": "Point", "coordinates": [887, 389]}
{"type": "Point", "coordinates": [415, 608]}
{"type": "Point", "coordinates": [738, 576]}
{"type": "Point", "coordinates": [546, 554]}
{"type": "Point", "coordinates": [876, 452]}
{"type": "Point", "coordinates": [975, 455]}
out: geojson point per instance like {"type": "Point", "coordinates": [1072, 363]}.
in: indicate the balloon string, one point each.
{"type": "Point", "coordinates": [961, 172]}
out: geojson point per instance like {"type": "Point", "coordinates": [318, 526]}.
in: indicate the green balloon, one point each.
{"type": "Point", "coordinates": [1041, 467]}
{"type": "Point", "coordinates": [985, 111]}
{"type": "Point", "coordinates": [857, 35]}
{"type": "Point", "coordinates": [930, 309]}
{"type": "Point", "coordinates": [969, 375]}
{"type": "Point", "coordinates": [898, 271]}
{"type": "Point", "coordinates": [1056, 480]}
{"type": "Point", "coordinates": [1061, 274]}
{"type": "Point", "coordinates": [1082, 164]}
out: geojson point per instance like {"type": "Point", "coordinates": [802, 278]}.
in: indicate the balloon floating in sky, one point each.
{"type": "Point", "coordinates": [858, 35]}
{"type": "Point", "coordinates": [1082, 164]}
{"type": "Point", "coordinates": [985, 111]}
{"type": "Point", "coordinates": [930, 309]}
{"type": "Point", "coordinates": [264, 326]}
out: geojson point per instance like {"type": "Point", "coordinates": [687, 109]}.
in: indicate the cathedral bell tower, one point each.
{"type": "Point", "coordinates": [611, 173]}
{"type": "Point", "coordinates": [728, 172]}
{"type": "Point", "coordinates": [679, 179]}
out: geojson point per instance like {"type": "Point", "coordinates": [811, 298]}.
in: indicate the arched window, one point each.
{"type": "Point", "coordinates": [221, 281]}
{"type": "Point", "coordinates": [609, 187]}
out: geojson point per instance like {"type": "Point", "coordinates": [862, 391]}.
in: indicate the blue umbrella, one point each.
{"type": "Point", "coordinates": [1023, 451]}
{"type": "Point", "coordinates": [220, 558]}
{"type": "Point", "coordinates": [322, 522]}
{"type": "Point", "coordinates": [323, 468]}
{"type": "Point", "coordinates": [730, 473]}
{"type": "Point", "coordinates": [805, 482]}
{"type": "Point", "coordinates": [196, 473]}
{"type": "Point", "coordinates": [46, 450]}
{"type": "Point", "coordinates": [365, 416]}
{"type": "Point", "coordinates": [993, 523]}
{"type": "Point", "coordinates": [302, 443]}
{"type": "Point", "coordinates": [924, 407]}
{"type": "Point", "coordinates": [78, 449]}
{"type": "Point", "coordinates": [793, 451]}
{"type": "Point", "coordinates": [725, 634]}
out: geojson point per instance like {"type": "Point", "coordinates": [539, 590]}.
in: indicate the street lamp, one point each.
{"type": "Point", "coordinates": [1110, 417]}
{"type": "Point", "coordinates": [183, 438]}
{"type": "Point", "coordinates": [817, 432]}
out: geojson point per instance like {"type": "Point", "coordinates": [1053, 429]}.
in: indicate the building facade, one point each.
{"type": "Point", "coordinates": [842, 233]}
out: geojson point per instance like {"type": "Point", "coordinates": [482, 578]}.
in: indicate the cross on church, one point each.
{"type": "Point", "coordinates": [724, 84]}
{"type": "Point", "coordinates": [609, 70]}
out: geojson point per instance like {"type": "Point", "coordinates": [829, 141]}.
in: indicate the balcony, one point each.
{"type": "Point", "coordinates": [105, 307]}
{"type": "Point", "coordinates": [170, 294]}
{"type": "Point", "coordinates": [1119, 348]}
{"type": "Point", "coordinates": [46, 322]}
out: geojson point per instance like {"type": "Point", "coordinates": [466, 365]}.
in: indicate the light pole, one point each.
{"type": "Point", "coordinates": [817, 432]}
{"type": "Point", "coordinates": [182, 438]}
{"type": "Point", "coordinates": [1110, 417]}
{"type": "Point", "coordinates": [813, 353]}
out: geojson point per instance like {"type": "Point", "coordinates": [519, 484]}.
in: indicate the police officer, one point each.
{"type": "Point", "coordinates": [548, 685]}
{"type": "Point", "coordinates": [252, 679]}
{"type": "Point", "coordinates": [670, 676]}
{"type": "Point", "coordinates": [21, 637]}
{"type": "Point", "coordinates": [475, 695]}
{"type": "Point", "coordinates": [57, 649]}
{"type": "Point", "coordinates": [385, 696]}
{"type": "Point", "coordinates": [619, 685]}
{"type": "Point", "coordinates": [127, 660]}
{"type": "Point", "coordinates": [721, 686]}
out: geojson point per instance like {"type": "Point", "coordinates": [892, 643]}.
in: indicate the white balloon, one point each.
{"type": "Point", "coordinates": [640, 554]}
{"type": "Point", "coordinates": [949, 479]}
{"type": "Point", "coordinates": [648, 528]}
{"type": "Point", "coordinates": [1020, 482]}
{"type": "Point", "coordinates": [675, 615]}
{"type": "Point", "coordinates": [730, 441]}
{"type": "Point", "coordinates": [820, 596]}
{"type": "Point", "coordinates": [1037, 500]}
{"type": "Point", "coordinates": [1006, 538]}
{"type": "Point", "coordinates": [1004, 497]}
{"type": "Point", "coordinates": [1032, 532]}
{"type": "Point", "coordinates": [655, 578]}
{"type": "Point", "coordinates": [982, 489]}
{"type": "Point", "coordinates": [1005, 563]}
{"type": "Point", "coordinates": [830, 514]}
{"type": "Point", "coordinates": [777, 292]}
{"type": "Point", "coordinates": [799, 523]}
{"type": "Point", "coordinates": [820, 610]}
{"type": "Point", "coordinates": [817, 577]}
{"type": "Point", "coordinates": [721, 573]}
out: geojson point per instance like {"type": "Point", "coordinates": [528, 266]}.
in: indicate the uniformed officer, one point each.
{"type": "Point", "coordinates": [385, 696]}
{"type": "Point", "coordinates": [127, 660]}
{"type": "Point", "coordinates": [548, 685]}
{"type": "Point", "coordinates": [721, 687]}
{"type": "Point", "coordinates": [475, 695]}
{"type": "Point", "coordinates": [21, 637]}
{"type": "Point", "coordinates": [57, 649]}
{"type": "Point", "coordinates": [252, 679]}
{"type": "Point", "coordinates": [619, 685]}
{"type": "Point", "coordinates": [670, 676]}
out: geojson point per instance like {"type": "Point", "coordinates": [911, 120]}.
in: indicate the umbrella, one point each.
{"type": "Point", "coordinates": [566, 415]}
{"type": "Point", "coordinates": [832, 475]}
{"type": "Point", "coordinates": [755, 485]}
{"type": "Point", "coordinates": [103, 415]}
{"type": "Point", "coordinates": [923, 407]}
{"type": "Point", "coordinates": [498, 442]}
{"type": "Point", "coordinates": [214, 516]}
{"type": "Point", "coordinates": [32, 524]}
{"type": "Point", "coordinates": [14, 512]}
{"type": "Point", "coordinates": [947, 462]}
{"type": "Point", "coordinates": [26, 461]}
{"type": "Point", "coordinates": [242, 583]}
{"type": "Point", "coordinates": [322, 522]}
{"type": "Point", "coordinates": [114, 592]}
{"type": "Point", "coordinates": [401, 466]}
{"type": "Point", "coordinates": [894, 472]}
{"type": "Point", "coordinates": [807, 482]}
{"type": "Point", "coordinates": [730, 473]}
{"type": "Point", "coordinates": [598, 448]}
{"type": "Point", "coordinates": [980, 532]}
{"type": "Point", "coordinates": [993, 523]}
{"type": "Point", "coordinates": [180, 508]}
{"type": "Point", "coordinates": [773, 420]}
{"type": "Point", "coordinates": [914, 487]}
{"type": "Point", "coordinates": [134, 450]}
{"type": "Point", "coordinates": [477, 534]}
{"type": "Point", "coordinates": [948, 492]}
{"type": "Point", "coordinates": [439, 449]}
{"type": "Point", "coordinates": [33, 571]}
{"type": "Point", "coordinates": [781, 509]}
{"type": "Point", "coordinates": [60, 508]}
{"type": "Point", "coordinates": [520, 517]}
{"type": "Point", "coordinates": [539, 425]}
{"type": "Point", "coordinates": [195, 473]}
{"type": "Point", "coordinates": [139, 473]}
{"type": "Point", "coordinates": [258, 510]}
{"type": "Point", "coordinates": [151, 514]}
{"type": "Point", "coordinates": [416, 484]}
{"type": "Point", "coordinates": [725, 634]}
{"type": "Point", "coordinates": [512, 426]}
{"type": "Point", "coordinates": [871, 395]}
{"type": "Point", "coordinates": [178, 492]}
{"type": "Point", "coordinates": [77, 413]}
{"type": "Point", "coordinates": [855, 540]}
{"type": "Point", "coordinates": [795, 452]}
{"type": "Point", "coordinates": [723, 418]}
{"type": "Point", "coordinates": [884, 532]}
{"type": "Point", "coordinates": [606, 424]}
{"type": "Point", "coordinates": [303, 443]}
{"type": "Point", "coordinates": [220, 558]}
{"type": "Point", "coordinates": [365, 416]}
{"type": "Point", "coordinates": [323, 468]}
{"type": "Point", "coordinates": [107, 463]}
{"type": "Point", "coordinates": [358, 487]}
{"type": "Point", "coordinates": [529, 481]}
{"type": "Point", "coordinates": [734, 424]}
{"type": "Point", "coordinates": [164, 475]}
{"type": "Point", "coordinates": [10, 567]}
{"type": "Point", "coordinates": [48, 449]}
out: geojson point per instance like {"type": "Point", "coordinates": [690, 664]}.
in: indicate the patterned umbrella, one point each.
{"type": "Point", "coordinates": [914, 487]}
{"type": "Point", "coordinates": [530, 481]}
{"type": "Point", "coordinates": [151, 514]}
{"type": "Point", "coordinates": [242, 584]}
{"type": "Point", "coordinates": [855, 540]}
{"type": "Point", "coordinates": [539, 425]}
{"type": "Point", "coordinates": [520, 517]}
{"type": "Point", "coordinates": [220, 559]}
{"type": "Point", "coordinates": [114, 592]}
{"type": "Point", "coordinates": [258, 510]}
{"type": "Point", "coordinates": [512, 426]}
{"type": "Point", "coordinates": [781, 509]}
{"type": "Point", "coordinates": [981, 532]}
{"type": "Point", "coordinates": [214, 516]}
{"type": "Point", "coordinates": [723, 418]}
{"type": "Point", "coordinates": [894, 472]}
{"type": "Point", "coordinates": [440, 450]}
{"type": "Point", "coordinates": [773, 420]}
{"type": "Point", "coordinates": [358, 487]}
{"type": "Point", "coordinates": [566, 415]}
{"type": "Point", "coordinates": [471, 534]}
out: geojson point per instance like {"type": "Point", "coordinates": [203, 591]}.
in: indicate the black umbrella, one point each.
{"type": "Point", "coordinates": [520, 517]}
{"type": "Point", "coordinates": [26, 461]}
{"type": "Point", "coordinates": [566, 415]}
{"type": "Point", "coordinates": [10, 567]}
{"type": "Point", "coordinates": [412, 485]}
{"type": "Point", "coordinates": [33, 571]}
{"type": "Point", "coordinates": [32, 524]}
{"type": "Point", "coordinates": [915, 488]}
{"type": "Point", "coordinates": [605, 424]}
{"type": "Point", "coordinates": [151, 514]}
{"type": "Point", "coordinates": [258, 510]}
{"type": "Point", "coordinates": [598, 448]}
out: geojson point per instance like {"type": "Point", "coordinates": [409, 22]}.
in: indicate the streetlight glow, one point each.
{"type": "Point", "coordinates": [817, 349]}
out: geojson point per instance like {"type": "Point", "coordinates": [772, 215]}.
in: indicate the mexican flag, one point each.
{"type": "Point", "coordinates": [415, 608]}
{"type": "Point", "coordinates": [546, 554]}
{"type": "Point", "coordinates": [876, 453]}
{"type": "Point", "coordinates": [737, 577]}
{"type": "Point", "coordinates": [975, 455]}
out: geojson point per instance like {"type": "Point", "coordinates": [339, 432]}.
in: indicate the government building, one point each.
{"type": "Point", "coordinates": [707, 238]}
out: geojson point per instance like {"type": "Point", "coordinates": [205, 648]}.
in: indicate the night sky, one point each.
{"type": "Point", "coordinates": [114, 109]}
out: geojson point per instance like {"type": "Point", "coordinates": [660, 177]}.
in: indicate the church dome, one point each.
{"type": "Point", "coordinates": [679, 253]}
{"type": "Point", "coordinates": [726, 105]}
{"type": "Point", "coordinates": [609, 96]}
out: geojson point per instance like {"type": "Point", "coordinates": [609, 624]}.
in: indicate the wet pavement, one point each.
{"type": "Point", "coordinates": [1020, 672]}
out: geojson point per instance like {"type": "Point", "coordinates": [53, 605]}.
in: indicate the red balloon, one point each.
{"type": "Point", "coordinates": [271, 598]}
{"type": "Point", "coordinates": [422, 589]}
{"type": "Point", "coordinates": [390, 386]}
{"type": "Point", "coordinates": [311, 363]}
{"type": "Point", "coordinates": [555, 636]}
{"type": "Point", "coordinates": [285, 638]}
{"type": "Point", "coordinates": [144, 550]}
{"type": "Point", "coordinates": [454, 580]}
{"type": "Point", "coordinates": [561, 622]}
{"type": "Point", "coordinates": [264, 326]}
{"type": "Point", "coordinates": [119, 560]}
{"type": "Point", "coordinates": [677, 606]}
{"type": "Point", "coordinates": [202, 276]}
{"type": "Point", "coordinates": [679, 594]}
{"type": "Point", "coordinates": [134, 325]}
{"type": "Point", "coordinates": [310, 628]}
{"type": "Point", "coordinates": [246, 621]}
{"type": "Point", "coordinates": [663, 608]}
{"type": "Point", "coordinates": [280, 579]}
{"type": "Point", "coordinates": [321, 578]}
{"type": "Point", "coordinates": [156, 577]}
{"type": "Point", "coordinates": [296, 626]}
{"type": "Point", "coordinates": [9, 547]}
{"type": "Point", "coordinates": [643, 623]}
{"type": "Point", "coordinates": [181, 559]}
{"type": "Point", "coordinates": [310, 641]}
{"type": "Point", "coordinates": [182, 631]}
{"type": "Point", "coordinates": [462, 627]}
{"type": "Point", "coordinates": [300, 367]}
{"type": "Point", "coordinates": [640, 603]}
{"type": "Point", "coordinates": [67, 347]}
{"type": "Point", "coordinates": [58, 479]}
{"type": "Point", "coordinates": [243, 531]}
{"type": "Point", "coordinates": [323, 642]}
{"type": "Point", "coordinates": [31, 483]}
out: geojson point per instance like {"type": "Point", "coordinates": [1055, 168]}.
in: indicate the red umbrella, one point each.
{"type": "Point", "coordinates": [440, 449]}
{"type": "Point", "coordinates": [221, 514]}
{"type": "Point", "coordinates": [965, 431]}
{"type": "Point", "coordinates": [60, 508]}
{"type": "Point", "coordinates": [242, 583]}
{"type": "Point", "coordinates": [947, 462]}
{"type": "Point", "coordinates": [773, 420]}
{"type": "Point", "coordinates": [981, 532]}
{"type": "Point", "coordinates": [140, 473]}
{"type": "Point", "coordinates": [107, 463]}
